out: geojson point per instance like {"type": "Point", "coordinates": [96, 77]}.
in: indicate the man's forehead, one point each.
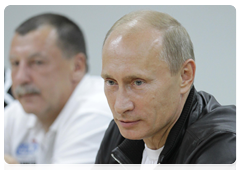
{"type": "Point", "coordinates": [41, 34]}
{"type": "Point", "coordinates": [41, 37]}
{"type": "Point", "coordinates": [126, 35]}
{"type": "Point", "coordinates": [132, 55]}
{"type": "Point", "coordinates": [37, 43]}
{"type": "Point", "coordinates": [131, 47]}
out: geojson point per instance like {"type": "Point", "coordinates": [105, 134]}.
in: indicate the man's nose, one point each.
{"type": "Point", "coordinates": [22, 74]}
{"type": "Point", "coordinates": [123, 103]}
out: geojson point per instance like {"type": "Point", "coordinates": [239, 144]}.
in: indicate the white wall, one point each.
{"type": "Point", "coordinates": [212, 30]}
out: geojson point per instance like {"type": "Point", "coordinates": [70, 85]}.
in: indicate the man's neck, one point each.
{"type": "Point", "coordinates": [51, 115]}
{"type": "Point", "coordinates": [157, 141]}
{"type": "Point", "coordinates": [47, 121]}
{"type": "Point", "coordinates": [48, 117]}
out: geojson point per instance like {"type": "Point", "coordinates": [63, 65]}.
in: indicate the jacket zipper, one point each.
{"type": "Point", "coordinates": [118, 161]}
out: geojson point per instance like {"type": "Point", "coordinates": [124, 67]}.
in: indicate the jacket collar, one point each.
{"type": "Point", "coordinates": [130, 151]}
{"type": "Point", "coordinates": [177, 132]}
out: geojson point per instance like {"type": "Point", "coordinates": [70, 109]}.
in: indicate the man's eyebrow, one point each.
{"type": "Point", "coordinates": [104, 76]}
{"type": "Point", "coordinates": [130, 77]}
{"type": "Point", "coordinates": [35, 55]}
{"type": "Point", "coordinates": [30, 56]}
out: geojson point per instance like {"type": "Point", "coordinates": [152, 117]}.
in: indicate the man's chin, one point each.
{"type": "Point", "coordinates": [31, 108]}
{"type": "Point", "coordinates": [131, 135]}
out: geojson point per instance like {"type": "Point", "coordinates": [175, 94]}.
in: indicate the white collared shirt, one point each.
{"type": "Point", "coordinates": [75, 135]}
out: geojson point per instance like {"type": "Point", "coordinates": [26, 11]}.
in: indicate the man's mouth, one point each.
{"type": "Point", "coordinates": [128, 123]}
{"type": "Point", "coordinates": [27, 95]}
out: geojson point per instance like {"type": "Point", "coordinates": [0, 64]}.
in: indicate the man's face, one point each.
{"type": "Point", "coordinates": [41, 76]}
{"type": "Point", "coordinates": [143, 95]}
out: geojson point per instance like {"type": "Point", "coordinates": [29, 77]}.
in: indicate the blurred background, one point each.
{"type": "Point", "coordinates": [211, 28]}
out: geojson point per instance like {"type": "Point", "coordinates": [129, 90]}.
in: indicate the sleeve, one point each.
{"type": "Point", "coordinates": [79, 141]}
{"type": "Point", "coordinates": [219, 149]}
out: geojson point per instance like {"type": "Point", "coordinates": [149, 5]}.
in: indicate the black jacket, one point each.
{"type": "Point", "coordinates": [205, 133]}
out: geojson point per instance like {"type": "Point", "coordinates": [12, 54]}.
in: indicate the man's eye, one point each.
{"type": "Point", "coordinates": [15, 63]}
{"type": "Point", "coordinates": [138, 82]}
{"type": "Point", "coordinates": [110, 82]}
{"type": "Point", "coordinates": [38, 62]}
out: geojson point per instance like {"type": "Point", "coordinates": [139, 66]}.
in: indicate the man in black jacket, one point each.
{"type": "Point", "coordinates": [148, 67]}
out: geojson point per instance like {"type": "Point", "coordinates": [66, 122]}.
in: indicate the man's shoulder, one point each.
{"type": "Point", "coordinates": [90, 89]}
{"type": "Point", "coordinates": [90, 97]}
{"type": "Point", "coordinates": [212, 116]}
{"type": "Point", "coordinates": [211, 135]}
{"type": "Point", "coordinates": [93, 82]}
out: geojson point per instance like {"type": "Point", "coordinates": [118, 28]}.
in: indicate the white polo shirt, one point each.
{"type": "Point", "coordinates": [74, 137]}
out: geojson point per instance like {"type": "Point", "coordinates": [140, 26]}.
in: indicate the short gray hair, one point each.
{"type": "Point", "coordinates": [177, 46]}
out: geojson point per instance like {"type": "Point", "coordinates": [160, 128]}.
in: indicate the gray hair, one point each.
{"type": "Point", "coordinates": [177, 46]}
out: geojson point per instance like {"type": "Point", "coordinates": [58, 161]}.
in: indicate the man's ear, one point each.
{"type": "Point", "coordinates": [79, 67]}
{"type": "Point", "coordinates": [187, 74]}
